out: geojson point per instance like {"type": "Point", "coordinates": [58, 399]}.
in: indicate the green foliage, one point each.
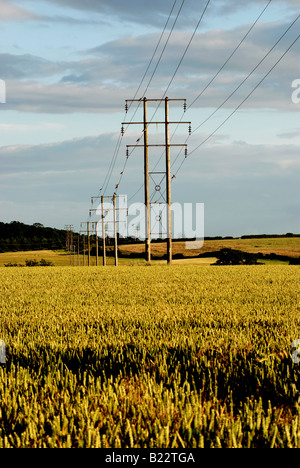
{"type": "Point", "coordinates": [10, 265]}
{"type": "Point", "coordinates": [156, 357]}
{"type": "Point", "coordinates": [31, 263]}
{"type": "Point", "coordinates": [16, 236]}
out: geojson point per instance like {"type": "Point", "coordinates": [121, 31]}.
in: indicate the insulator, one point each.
{"type": "Point", "coordinates": [184, 106]}
{"type": "Point", "coordinates": [190, 130]}
{"type": "Point", "coordinates": [126, 107]}
{"type": "Point", "coordinates": [122, 130]}
{"type": "Point", "coordinates": [127, 153]}
{"type": "Point", "coordinates": [186, 152]}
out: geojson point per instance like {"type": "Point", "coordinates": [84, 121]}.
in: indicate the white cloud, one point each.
{"type": "Point", "coordinates": [111, 73]}
{"type": "Point", "coordinates": [10, 12]}
{"type": "Point", "coordinates": [155, 12]}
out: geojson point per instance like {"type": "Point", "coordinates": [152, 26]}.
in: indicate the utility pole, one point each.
{"type": "Point", "coordinates": [97, 245]}
{"type": "Point", "coordinates": [69, 240]}
{"type": "Point", "coordinates": [78, 250]}
{"type": "Point", "coordinates": [167, 172]}
{"type": "Point", "coordinates": [115, 232]}
{"type": "Point", "coordinates": [103, 231]}
{"type": "Point", "coordinates": [89, 242]}
{"type": "Point", "coordinates": [146, 184]}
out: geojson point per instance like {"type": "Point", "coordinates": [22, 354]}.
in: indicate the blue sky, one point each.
{"type": "Point", "coordinates": [70, 65]}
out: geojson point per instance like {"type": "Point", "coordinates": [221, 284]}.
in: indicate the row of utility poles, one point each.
{"type": "Point", "coordinates": [74, 248]}
{"type": "Point", "coordinates": [166, 174]}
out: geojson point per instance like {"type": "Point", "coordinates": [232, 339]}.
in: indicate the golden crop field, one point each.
{"type": "Point", "coordinates": [150, 356]}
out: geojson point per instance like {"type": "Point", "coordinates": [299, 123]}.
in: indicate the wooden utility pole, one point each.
{"type": "Point", "coordinates": [168, 183]}
{"type": "Point", "coordinates": [147, 189]}
{"type": "Point", "coordinates": [69, 240]}
{"type": "Point", "coordinates": [167, 172]}
{"type": "Point", "coordinates": [103, 231]}
{"type": "Point", "coordinates": [97, 246]}
{"type": "Point", "coordinates": [78, 251]}
{"type": "Point", "coordinates": [89, 242]}
{"type": "Point", "coordinates": [115, 232]}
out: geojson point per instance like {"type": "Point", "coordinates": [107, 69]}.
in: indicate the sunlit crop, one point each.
{"type": "Point", "coordinates": [181, 356]}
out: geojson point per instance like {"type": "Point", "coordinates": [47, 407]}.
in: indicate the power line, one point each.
{"type": "Point", "coordinates": [159, 60]}
{"type": "Point", "coordinates": [250, 74]}
{"type": "Point", "coordinates": [179, 64]}
{"type": "Point", "coordinates": [223, 66]}
{"type": "Point", "coordinates": [243, 81]}
{"type": "Point", "coordinates": [118, 145]}
{"type": "Point", "coordinates": [184, 53]}
{"type": "Point", "coordinates": [231, 55]}
{"type": "Point", "coordinates": [154, 53]}
{"type": "Point", "coordinates": [188, 46]}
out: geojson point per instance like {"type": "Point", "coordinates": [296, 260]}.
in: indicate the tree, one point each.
{"type": "Point", "coordinates": [236, 257]}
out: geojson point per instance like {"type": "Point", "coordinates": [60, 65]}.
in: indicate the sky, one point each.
{"type": "Point", "coordinates": [69, 66]}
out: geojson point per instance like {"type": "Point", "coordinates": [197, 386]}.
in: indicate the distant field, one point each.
{"type": "Point", "coordinates": [281, 246]}
{"type": "Point", "coordinates": [58, 258]}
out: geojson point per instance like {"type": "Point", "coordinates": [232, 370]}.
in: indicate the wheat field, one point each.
{"type": "Point", "coordinates": [150, 356]}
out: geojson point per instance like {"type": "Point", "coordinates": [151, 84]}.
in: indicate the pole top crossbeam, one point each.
{"type": "Point", "coordinates": [154, 100]}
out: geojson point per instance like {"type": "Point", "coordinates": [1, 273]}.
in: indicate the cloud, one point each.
{"type": "Point", "coordinates": [104, 76]}
{"type": "Point", "coordinates": [290, 135]}
{"type": "Point", "coordinates": [139, 11]}
{"type": "Point", "coordinates": [53, 183]}
{"type": "Point", "coordinates": [65, 156]}
{"type": "Point", "coordinates": [155, 13]}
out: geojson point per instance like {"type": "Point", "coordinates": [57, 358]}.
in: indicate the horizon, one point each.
{"type": "Point", "coordinates": [67, 69]}
{"type": "Point", "coordinates": [229, 236]}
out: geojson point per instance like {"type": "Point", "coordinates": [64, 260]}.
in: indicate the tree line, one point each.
{"type": "Point", "coordinates": [16, 236]}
